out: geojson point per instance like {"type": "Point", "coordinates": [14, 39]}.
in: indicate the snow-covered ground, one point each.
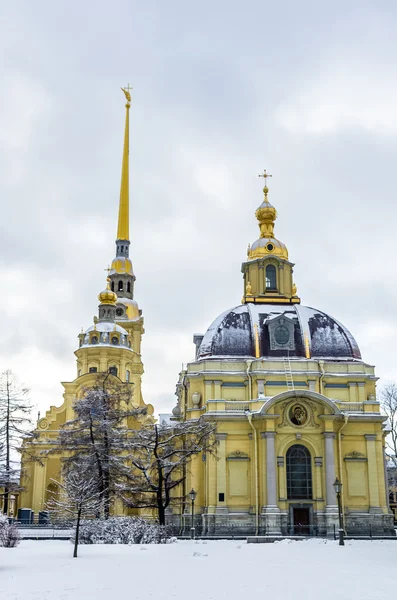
{"type": "Point", "coordinates": [186, 570]}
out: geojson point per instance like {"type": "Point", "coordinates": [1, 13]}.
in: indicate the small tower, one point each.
{"type": "Point", "coordinates": [107, 304]}
{"type": "Point", "coordinates": [267, 271]}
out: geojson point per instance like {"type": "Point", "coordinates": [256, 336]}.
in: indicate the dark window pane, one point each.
{"type": "Point", "coordinates": [299, 473]}
{"type": "Point", "coordinates": [271, 282]}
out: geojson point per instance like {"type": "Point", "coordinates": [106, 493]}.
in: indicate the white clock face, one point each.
{"type": "Point", "coordinates": [281, 335]}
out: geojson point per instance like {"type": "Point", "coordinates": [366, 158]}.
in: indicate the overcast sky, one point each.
{"type": "Point", "coordinates": [222, 90]}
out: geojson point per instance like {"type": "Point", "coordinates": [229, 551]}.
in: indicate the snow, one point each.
{"type": "Point", "coordinates": [306, 570]}
{"type": "Point", "coordinates": [232, 332]}
{"type": "Point", "coordinates": [107, 327]}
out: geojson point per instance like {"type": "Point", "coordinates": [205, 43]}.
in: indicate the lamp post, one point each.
{"type": "Point", "coordinates": [192, 495]}
{"type": "Point", "coordinates": [338, 490]}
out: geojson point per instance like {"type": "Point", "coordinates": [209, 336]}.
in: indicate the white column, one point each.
{"type": "Point", "coordinates": [271, 510]}
{"type": "Point", "coordinates": [330, 495]}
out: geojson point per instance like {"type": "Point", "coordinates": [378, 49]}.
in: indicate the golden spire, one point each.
{"type": "Point", "coordinates": [123, 224]}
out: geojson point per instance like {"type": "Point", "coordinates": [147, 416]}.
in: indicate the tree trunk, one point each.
{"type": "Point", "coordinates": [76, 537]}
{"type": "Point", "coordinates": [161, 511]}
{"type": "Point", "coordinates": [7, 465]}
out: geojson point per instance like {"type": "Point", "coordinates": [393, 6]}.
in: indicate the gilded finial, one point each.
{"type": "Point", "coordinates": [126, 91]}
{"type": "Point", "coordinates": [265, 175]}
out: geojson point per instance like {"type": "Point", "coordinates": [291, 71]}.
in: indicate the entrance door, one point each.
{"type": "Point", "coordinates": [301, 521]}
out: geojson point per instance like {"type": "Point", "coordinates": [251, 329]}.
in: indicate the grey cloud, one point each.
{"type": "Point", "coordinates": [210, 81]}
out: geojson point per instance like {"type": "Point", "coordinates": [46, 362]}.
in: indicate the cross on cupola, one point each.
{"type": "Point", "coordinates": [265, 175]}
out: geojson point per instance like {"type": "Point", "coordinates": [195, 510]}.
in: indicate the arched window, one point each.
{"type": "Point", "coordinates": [120, 286]}
{"type": "Point", "coordinates": [112, 286]}
{"type": "Point", "coordinates": [271, 279]}
{"type": "Point", "coordinates": [113, 371]}
{"type": "Point", "coordinates": [129, 287]}
{"type": "Point", "coordinates": [299, 473]}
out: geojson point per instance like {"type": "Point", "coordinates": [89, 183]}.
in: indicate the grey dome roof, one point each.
{"type": "Point", "coordinates": [233, 333]}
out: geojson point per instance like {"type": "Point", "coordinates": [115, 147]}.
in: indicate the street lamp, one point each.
{"type": "Point", "coordinates": [338, 489]}
{"type": "Point", "coordinates": [192, 495]}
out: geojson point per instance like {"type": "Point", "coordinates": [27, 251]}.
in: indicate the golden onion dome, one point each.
{"type": "Point", "coordinates": [267, 244]}
{"type": "Point", "coordinates": [107, 296]}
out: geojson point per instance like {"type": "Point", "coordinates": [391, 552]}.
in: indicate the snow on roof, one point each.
{"type": "Point", "coordinates": [232, 333]}
{"type": "Point", "coordinates": [107, 327]}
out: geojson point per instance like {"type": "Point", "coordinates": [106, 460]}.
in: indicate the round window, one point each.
{"type": "Point", "coordinates": [119, 312]}
{"type": "Point", "coordinates": [115, 340]}
{"type": "Point", "coordinates": [94, 339]}
{"type": "Point", "coordinates": [281, 335]}
{"type": "Point", "coordinates": [270, 247]}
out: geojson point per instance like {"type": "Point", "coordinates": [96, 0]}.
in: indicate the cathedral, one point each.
{"type": "Point", "coordinates": [295, 406]}
{"type": "Point", "coordinates": [294, 402]}
{"type": "Point", "coordinates": [111, 345]}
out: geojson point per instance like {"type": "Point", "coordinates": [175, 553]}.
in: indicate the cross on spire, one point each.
{"type": "Point", "coordinates": [265, 175]}
{"type": "Point", "coordinates": [108, 269]}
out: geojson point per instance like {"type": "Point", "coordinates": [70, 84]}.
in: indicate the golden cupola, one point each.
{"type": "Point", "coordinates": [267, 244]}
{"type": "Point", "coordinates": [107, 296]}
{"type": "Point", "coordinates": [267, 271]}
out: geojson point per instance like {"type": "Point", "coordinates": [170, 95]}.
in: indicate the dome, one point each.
{"type": "Point", "coordinates": [105, 333]}
{"type": "Point", "coordinates": [272, 331]}
{"type": "Point", "coordinates": [121, 265]}
{"type": "Point", "coordinates": [107, 296]}
{"type": "Point", "coordinates": [132, 308]}
{"type": "Point", "coordinates": [267, 246]}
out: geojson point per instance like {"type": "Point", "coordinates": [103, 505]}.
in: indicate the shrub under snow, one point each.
{"type": "Point", "coordinates": [9, 534]}
{"type": "Point", "coordinates": [123, 530]}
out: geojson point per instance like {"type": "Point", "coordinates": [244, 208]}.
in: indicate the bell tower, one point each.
{"type": "Point", "coordinates": [267, 271]}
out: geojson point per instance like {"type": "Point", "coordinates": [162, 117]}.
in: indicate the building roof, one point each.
{"type": "Point", "coordinates": [244, 329]}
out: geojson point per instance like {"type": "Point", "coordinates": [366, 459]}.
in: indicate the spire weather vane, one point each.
{"type": "Point", "coordinates": [126, 91]}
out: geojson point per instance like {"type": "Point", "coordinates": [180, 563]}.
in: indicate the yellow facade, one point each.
{"type": "Point", "coordinates": [111, 345]}
{"type": "Point", "coordinates": [295, 407]}
{"type": "Point", "coordinates": [294, 402]}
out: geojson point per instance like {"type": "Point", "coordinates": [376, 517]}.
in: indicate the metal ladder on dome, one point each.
{"type": "Point", "coordinates": [288, 373]}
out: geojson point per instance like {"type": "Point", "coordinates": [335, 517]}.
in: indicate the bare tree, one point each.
{"type": "Point", "coordinates": [15, 409]}
{"type": "Point", "coordinates": [160, 456]}
{"type": "Point", "coordinates": [98, 435]}
{"type": "Point", "coordinates": [388, 399]}
{"type": "Point", "coordinates": [78, 496]}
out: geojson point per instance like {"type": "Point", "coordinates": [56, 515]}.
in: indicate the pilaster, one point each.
{"type": "Point", "coordinates": [221, 505]}
{"type": "Point", "coordinates": [372, 473]}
